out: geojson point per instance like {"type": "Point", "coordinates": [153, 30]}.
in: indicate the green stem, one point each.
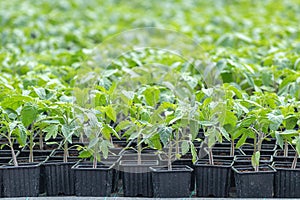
{"type": "Point", "coordinates": [170, 157]}
{"type": "Point", "coordinates": [66, 152]}
{"type": "Point", "coordinates": [95, 160]}
{"type": "Point", "coordinates": [294, 164]}
{"type": "Point", "coordinates": [139, 149]}
{"type": "Point", "coordinates": [232, 148]}
{"type": "Point", "coordinates": [14, 157]}
{"type": "Point", "coordinates": [210, 156]}
{"type": "Point", "coordinates": [286, 149]}
{"type": "Point", "coordinates": [31, 147]}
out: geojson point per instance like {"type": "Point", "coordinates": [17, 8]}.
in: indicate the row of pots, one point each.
{"type": "Point", "coordinates": [77, 177]}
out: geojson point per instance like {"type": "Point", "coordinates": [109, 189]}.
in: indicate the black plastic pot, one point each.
{"type": "Point", "coordinates": [113, 161]}
{"type": "Point", "coordinates": [136, 177]}
{"type": "Point", "coordinates": [251, 184]}
{"type": "Point", "coordinates": [287, 181]}
{"type": "Point", "coordinates": [5, 158]}
{"type": "Point", "coordinates": [173, 183]}
{"type": "Point", "coordinates": [91, 181]}
{"type": "Point", "coordinates": [59, 177]}
{"type": "Point", "coordinates": [213, 180]}
{"type": "Point", "coordinates": [185, 160]}
{"type": "Point", "coordinates": [21, 181]}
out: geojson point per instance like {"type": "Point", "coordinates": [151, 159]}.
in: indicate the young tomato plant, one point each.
{"type": "Point", "coordinates": [177, 127]}
{"type": "Point", "coordinates": [13, 130]}
{"type": "Point", "coordinates": [212, 118]}
{"type": "Point", "coordinates": [98, 133]}
{"type": "Point", "coordinates": [62, 122]}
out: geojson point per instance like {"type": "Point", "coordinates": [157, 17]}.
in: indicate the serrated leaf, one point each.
{"type": "Point", "coordinates": [51, 131]}
{"type": "Point", "coordinates": [164, 134]}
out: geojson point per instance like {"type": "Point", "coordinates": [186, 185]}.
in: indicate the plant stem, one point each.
{"type": "Point", "coordinates": [177, 142]}
{"type": "Point", "coordinates": [256, 168]}
{"type": "Point", "coordinates": [286, 149]}
{"type": "Point", "coordinates": [210, 156]}
{"type": "Point", "coordinates": [41, 141]}
{"type": "Point", "coordinates": [139, 149]}
{"type": "Point", "coordinates": [294, 164]}
{"type": "Point", "coordinates": [232, 148]}
{"type": "Point", "coordinates": [66, 153]}
{"type": "Point", "coordinates": [170, 158]}
{"type": "Point", "coordinates": [31, 147]}
{"type": "Point", "coordinates": [95, 160]}
{"type": "Point", "coordinates": [14, 157]}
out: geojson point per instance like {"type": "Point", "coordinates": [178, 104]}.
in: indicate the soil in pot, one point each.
{"type": "Point", "coordinates": [287, 180]}
{"type": "Point", "coordinates": [251, 184]}
{"type": "Point", "coordinates": [91, 181]}
{"type": "Point", "coordinates": [21, 181]}
{"type": "Point", "coordinates": [136, 177]}
{"type": "Point", "coordinates": [173, 183]}
{"type": "Point", "coordinates": [262, 152]}
{"type": "Point", "coordinates": [246, 160]}
{"type": "Point", "coordinates": [213, 180]}
{"type": "Point", "coordinates": [263, 146]}
{"type": "Point", "coordinates": [220, 153]}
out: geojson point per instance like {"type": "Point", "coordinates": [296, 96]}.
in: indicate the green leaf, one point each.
{"type": "Point", "coordinates": [224, 133]}
{"type": "Point", "coordinates": [93, 142]}
{"type": "Point", "coordinates": [194, 128]}
{"type": "Point", "coordinates": [194, 153]}
{"type": "Point", "coordinates": [151, 95]}
{"type": "Point", "coordinates": [85, 154]}
{"type": "Point", "coordinates": [185, 147]}
{"type": "Point", "coordinates": [29, 114]}
{"type": "Point", "coordinates": [165, 134]}
{"type": "Point", "coordinates": [22, 137]}
{"type": "Point", "coordinates": [123, 125]}
{"type": "Point", "coordinates": [40, 92]}
{"type": "Point", "coordinates": [111, 113]}
{"type": "Point", "coordinates": [241, 141]}
{"type": "Point", "coordinates": [107, 129]}
{"type": "Point", "coordinates": [51, 131]}
{"type": "Point", "coordinates": [206, 123]}
{"type": "Point", "coordinates": [276, 120]}
{"type": "Point", "coordinates": [279, 140]}
{"type": "Point", "coordinates": [66, 133]}
{"type": "Point", "coordinates": [298, 145]}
